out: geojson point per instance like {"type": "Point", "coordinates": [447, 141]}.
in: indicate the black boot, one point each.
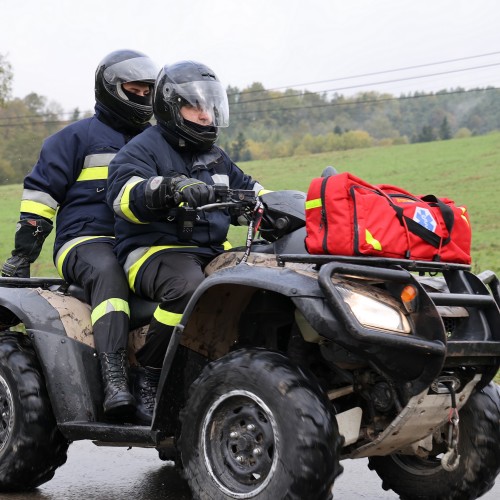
{"type": "Point", "coordinates": [118, 400]}
{"type": "Point", "coordinates": [144, 387]}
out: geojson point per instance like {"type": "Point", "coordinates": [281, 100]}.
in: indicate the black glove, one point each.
{"type": "Point", "coordinates": [158, 193]}
{"type": "Point", "coordinates": [16, 267]}
{"type": "Point", "coordinates": [167, 192]}
{"type": "Point", "coordinates": [28, 242]}
{"type": "Point", "coordinates": [193, 192]}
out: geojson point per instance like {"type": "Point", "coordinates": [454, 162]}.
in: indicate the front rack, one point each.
{"type": "Point", "coordinates": [410, 265]}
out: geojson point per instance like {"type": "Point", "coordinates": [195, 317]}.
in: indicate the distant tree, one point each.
{"type": "Point", "coordinates": [462, 132]}
{"type": "Point", "coordinates": [445, 130]}
{"type": "Point", "coordinates": [35, 103]}
{"type": "Point", "coordinates": [427, 134]}
{"type": "Point", "coordinates": [237, 148]}
{"type": "Point", "coordinates": [5, 79]}
{"type": "Point", "coordinates": [76, 115]}
{"type": "Point", "coordinates": [337, 130]}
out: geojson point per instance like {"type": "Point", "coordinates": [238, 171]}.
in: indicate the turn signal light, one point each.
{"type": "Point", "coordinates": [409, 296]}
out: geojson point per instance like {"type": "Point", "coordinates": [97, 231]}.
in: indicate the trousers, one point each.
{"type": "Point", "coordinates": [95, 268]}
{"type": "Point", "coordinates": [170, 278]}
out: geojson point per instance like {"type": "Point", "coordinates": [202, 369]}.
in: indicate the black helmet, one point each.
{"type": "Point", "coordinates": [194, 84]}
{"type": "Point", "coordinates": [120, 67]}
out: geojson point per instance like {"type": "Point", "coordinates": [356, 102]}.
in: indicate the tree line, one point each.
{"type": "Point", "coordinates": [267, 124]}
{"type": "Point", "coordinates": [270, 123]}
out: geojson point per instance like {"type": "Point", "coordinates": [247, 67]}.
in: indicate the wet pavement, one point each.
{"type": "Point", "coordinates": [105, 473]}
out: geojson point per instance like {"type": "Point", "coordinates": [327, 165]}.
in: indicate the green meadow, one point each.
{"type": "Point", "coordinates": [466, 170]}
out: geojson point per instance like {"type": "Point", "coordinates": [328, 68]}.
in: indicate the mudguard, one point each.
{"type": "Point", "coordinates": [70, 365]}
{"type": "Point", "coordinates": [210, 322]}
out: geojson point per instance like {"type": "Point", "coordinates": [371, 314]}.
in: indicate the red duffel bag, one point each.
{"type": "Point", "coordinates": [348, 216]}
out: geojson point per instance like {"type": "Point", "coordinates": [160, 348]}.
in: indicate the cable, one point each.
{"type": "Point", "coordinates": [295, 108]}
{"type": "Point", "coordinates": [373, 73]}
{"type": "Point", "coordinates": [350, 87]}
{"type": "Point", "coordinates": [300, 93]}
{"type": "Point", "coordinates": [371, 101]}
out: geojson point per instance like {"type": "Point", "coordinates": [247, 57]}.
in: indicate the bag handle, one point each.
{"type": "Point", "coordinates": [446, 211]}
{"type": "Point", "coordinates": [424, 233]}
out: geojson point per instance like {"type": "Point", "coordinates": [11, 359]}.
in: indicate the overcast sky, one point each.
{"type": "Point", "coordinates": [54, 46]}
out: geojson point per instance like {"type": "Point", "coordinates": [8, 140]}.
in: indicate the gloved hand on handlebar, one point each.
{"type": "Point", "coordinates": [192, 191]}
{"type": "Point", "coordinates": [168, 192]}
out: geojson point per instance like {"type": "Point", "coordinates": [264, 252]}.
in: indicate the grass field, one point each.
{"type": "Point", "coordinates": [466, 170]}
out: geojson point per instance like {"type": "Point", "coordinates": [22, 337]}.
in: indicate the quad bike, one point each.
{"type": "Point", "coordinates": [282, 365]}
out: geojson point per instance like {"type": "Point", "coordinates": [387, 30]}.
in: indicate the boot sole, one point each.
{"type": "Point", "coordinates": [121, 407]}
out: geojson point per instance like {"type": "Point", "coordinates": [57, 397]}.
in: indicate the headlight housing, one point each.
{"type": "Point", "coordinates": [375, 313]}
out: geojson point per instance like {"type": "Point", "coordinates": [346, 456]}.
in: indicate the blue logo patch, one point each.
{"type": "Point", "coordinates": [424, 217]}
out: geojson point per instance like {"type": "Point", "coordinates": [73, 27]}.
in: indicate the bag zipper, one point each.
{"type": "Point", "coordinates": [324, 220]}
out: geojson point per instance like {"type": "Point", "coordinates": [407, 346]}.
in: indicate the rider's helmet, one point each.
{"type": "Point", "coordinates": [117, 68]}
{"type": "Point", "coordinates": [189, 83]}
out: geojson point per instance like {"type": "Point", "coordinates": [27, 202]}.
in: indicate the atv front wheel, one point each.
{"type": "Point", "coordinates": [415, 478]}
{"type": "Point", "coordinates": [256, 427]}
{"type": "Point", "coordinates": [31, 446]}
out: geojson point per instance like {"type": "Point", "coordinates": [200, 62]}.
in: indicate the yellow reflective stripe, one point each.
{"type": "Point", "coordinates": [313, 203]}
{"type": "Point", "coordinates": [166, 317]}
{"type": "Point", "coordinates": [463, 215]}
{"type": "Point", "coordinates": [134, 268]}
{"type": "Point", "coordinates": [191, 184]}
{"type": "Point", "coordinates": [62, 255]}
{"type": "Point", "coordinates": [264, 191]}
{"type": "Point", "coordinates": [109, 306]}
{"type": "Point", "coordinates": [226, 245]}
{"type": "Point", "coordinates": [125, 203]}
{"type": "Point", "coordinates": [93, 174]}
{"type": "Point", "coordinates": [34, 207]}
{"type": "Point", "coordinates": [372, 241]}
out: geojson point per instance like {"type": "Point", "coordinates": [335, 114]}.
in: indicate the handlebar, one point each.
{"type": "Point", "coordinates": [231, 198]}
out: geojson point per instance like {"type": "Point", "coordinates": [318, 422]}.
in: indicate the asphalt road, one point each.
{"type": "Point", "coordinates": [104, 473]}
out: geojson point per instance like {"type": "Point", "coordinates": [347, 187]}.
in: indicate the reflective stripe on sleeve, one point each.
{"type": "Point", "coordinates": [259, 189]}
{"type": "Point", "coordinates": [38, 203]}
{"type": "Point", "coordinates": [121, 204]}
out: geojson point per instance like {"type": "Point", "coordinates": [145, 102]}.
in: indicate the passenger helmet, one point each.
{"type": "Point", "coordinates": [120, 67]}
{"type": "Point", "coordinates": [190, 83]}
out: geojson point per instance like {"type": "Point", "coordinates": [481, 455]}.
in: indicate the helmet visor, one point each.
{"type": "Point", "coordinates": [137, 69]}
{"type": "Point", "coordinates": [208, 96]}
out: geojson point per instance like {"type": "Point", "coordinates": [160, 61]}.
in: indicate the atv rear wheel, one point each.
{"type": "Point", "coordinates": [415, 478]}
{"type": "Point", "coordinates": [255, 426]}
{"type": "Point", "coordinates": [31, 446]}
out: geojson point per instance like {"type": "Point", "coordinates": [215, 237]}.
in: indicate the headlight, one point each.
{"type": "Point", "coordinates": [373, 313]}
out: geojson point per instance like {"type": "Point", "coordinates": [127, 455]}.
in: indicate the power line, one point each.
{"type": "Point", "coordinates": [296, 108]}
{"type": "Point", "coordinates": [363, 75]}
{"type": "Point", "coordinates": [368, 101]}
{"type": "Point", "coordinates": [359, 85]}
{"type": "Point", "coordinates": [350, 87]}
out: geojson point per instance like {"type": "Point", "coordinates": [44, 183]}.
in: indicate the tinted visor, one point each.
{"type": "Point", "coordinates": [137, 69]}
{"type": "Point", "coordinates": [208, 96]}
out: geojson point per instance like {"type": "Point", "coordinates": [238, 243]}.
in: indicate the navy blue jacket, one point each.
{"type": "Point", "coordinates": [70, 178]}
{"type": "Point", "coordinates": [138, 228]}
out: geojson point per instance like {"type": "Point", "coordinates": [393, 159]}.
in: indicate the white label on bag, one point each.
{"type": "Point", "coordinates": [424, 217]}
